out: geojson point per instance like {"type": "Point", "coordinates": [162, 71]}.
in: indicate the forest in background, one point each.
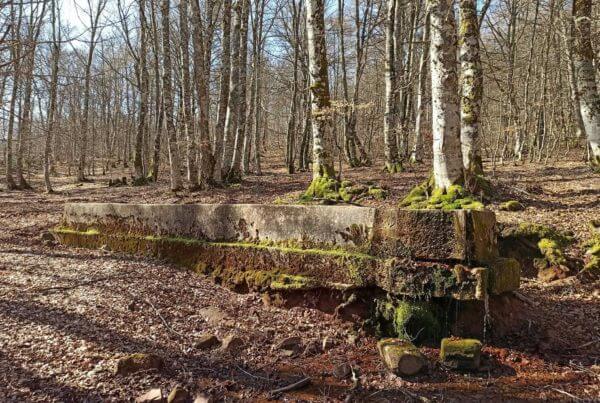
{"type": "Point", "coordinates": [227, 83]}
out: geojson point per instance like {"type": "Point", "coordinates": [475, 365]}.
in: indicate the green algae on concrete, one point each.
{"type": "Point", "coordinates": [461, 353]}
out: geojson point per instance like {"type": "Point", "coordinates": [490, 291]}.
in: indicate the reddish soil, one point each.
{"type": "Point", "coordinates": [67, 315]}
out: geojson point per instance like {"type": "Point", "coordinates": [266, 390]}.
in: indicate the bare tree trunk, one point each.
{"type": "Point", "coordinates": [202, 55]}
{"type": "Point", "coordinates": [447, 158]}
{"type": "Point", "coordinates": [568, 32]}
{"type": "Point", "coordinates": [471, 90]}
{"type": "Point", "coordinates": [188, 118]}
{"type": "Point", "coordinates": [232, 115]}
{"type": "Point", "coordinates": [16, 82]}
{"type": "Point", "coordinates": [223, 91]}
{"type": "Point", "coordinates": [168, 99]}
{"type": "Point", "coordinates": [589, 101]}
{"type": "Point", "coordinates": [417, 150]}
{"type": "Point", "coordinates": [143, 81]}
{"type": "Point", "coordinates": [56, 40]}
{"type": "Point", "coordinates": [235, 171]}
{"type": "Point", "coordinates": [94, 22]}
{"type": "Point", "coordinates": [392, 163]}
{"type": "Point", "coordinates": [323, 163]}
{"type": "Point", "coordinates": [158, 95]}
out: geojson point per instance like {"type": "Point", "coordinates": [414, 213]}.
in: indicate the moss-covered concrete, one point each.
{"type": "Point", "coordinates": [504, 276]}
{"type": "Point", "coordinates": [258, 266]}
{"type": "Point", "coordinates": [461, 353]}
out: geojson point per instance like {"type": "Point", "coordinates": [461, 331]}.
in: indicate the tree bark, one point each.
{"type": "Point", "coordinates": [323, 163]}
{"type": "Point", "coordinates": [447, 158]}
{"type": "Point", "coordinates": [176, 182]}
{"type": "Point", "coordinates": [471, 88]}
{"type": "Point", "coordinates": [392, 163]}
{"type": "Point", "coordinates": [589, 101]}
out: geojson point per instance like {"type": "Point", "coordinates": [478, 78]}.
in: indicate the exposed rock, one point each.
{"type": "Point", "coordinates": [139, 362]}
{"type": "Point", "coordinates": [293, 343]}
{"type": "Point", "coordinates": [206, 342]}
{"type": "Point", "coordinates": [213, 315]}
{"type": "Point", "coordinates": [342, 371]}
{"type": "Point", "coordinates": [151, 396]}
{"type": "Point", "coordinates": [461, 353]}
{"type": "Point", "coordinates": [505, 275]}
{"type": "Point", "coordinates": [401, 356]}
{"type": "Point", "coordinates": [178, 395]}
{"type": "Point", "coordinates": [232, 344]}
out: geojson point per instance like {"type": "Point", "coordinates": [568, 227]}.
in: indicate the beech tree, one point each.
{"type": "Point", "coordinates": [447, 158]}
{"type": "Point", "coordinates": [589, 101]}
{"type": "Point", "coordinates": [471, 88]}
{"type": "Point", "coordinates": [324, 177]}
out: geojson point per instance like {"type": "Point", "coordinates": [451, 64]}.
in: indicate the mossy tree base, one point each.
{"type": "Point", "coordinates": [394, 167]}
{"type": "Point", "coordinates": [429, 197]}
{"type": "Point", "coordinates": [329, 190]}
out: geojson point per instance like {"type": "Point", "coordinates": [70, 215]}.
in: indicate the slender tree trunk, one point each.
{"type": "Point", "coordinates": [56, 40]}
{"type": "Point", "coordinates": [143, 81]}
{"type": "Point", "coordinates": [392, 163]}
{"type": "Point", "coordinates": [417, 150]}
{"type": "Point", "coordinates": [447, 158]}
{"type": "Point", "coordinates": [232, 115]}
{"type": "Point", "coordinates": [168, 99]}
{"type": "Point", "coordinates": [471, 89]}
{"type": "Point", "coordinates": [202, 53]}
{"type": "Point", "coordinates": [573, 92]}
{"type": "Point", "coordinates": [323, 163]}
{"type": "Point", "coordinates": [187, 118]}
{"type": "Point", "coordinates": [158, 97]}
{"type": "Point", "coordinates": [235, 171]}
{"type": "Point", "coordinates": [16, 82]}
{"type": "Point", "coordinates": [223, 91]}
{"type": "Point", "coordinates": [589, 101]}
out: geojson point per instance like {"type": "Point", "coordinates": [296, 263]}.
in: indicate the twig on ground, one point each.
{"type": "Point", "coordinates": [293, 386]}
{"type": "Point", "coordinates": [252, 375]}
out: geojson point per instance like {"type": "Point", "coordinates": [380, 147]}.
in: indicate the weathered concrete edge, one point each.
{"type": "Point", "coordinates": [311, 268]}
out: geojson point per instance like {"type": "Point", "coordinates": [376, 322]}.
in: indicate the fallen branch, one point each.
{"type": "Point", "coordinates": [297, 385]}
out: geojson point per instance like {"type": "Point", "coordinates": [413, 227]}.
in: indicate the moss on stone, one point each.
{"type": "Point", "coordinates": [461, 353]}
{"type": "Point", "coordinates": [512, 205]}
{"type": "Point", "coordinates": [323, 188]}
{"type": "Point", "coordinates": [505, 275]}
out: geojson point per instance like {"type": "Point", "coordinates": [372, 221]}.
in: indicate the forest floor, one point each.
{"type": "Point", "coordinates": [67, 315]}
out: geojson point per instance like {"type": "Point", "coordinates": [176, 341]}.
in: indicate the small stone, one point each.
{"type": "Point", "coordinates": [213, 315]}
{"type": "Point", "coordinates": [327, 344]}
{"type": "Point", "coordinates": [232, 344]}
{"type": "Point", "coordinates": [293, 343]}
{"type": "Point", "coordinates": [206, 342]}
{"type": "Point", "coordinates": [178, 395]}
{"type": "Point", "coordinates": [461, 353]}
{"type": "Point", "coordinates": [342, 371]}
{"type": "Point", "coordinates": [139, 362]}
{"type": "Point", "coordinates": [401, 356]}
{"type": "Point", "coordinates": [151, 396]}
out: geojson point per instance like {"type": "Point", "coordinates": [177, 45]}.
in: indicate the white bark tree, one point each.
{"type": "Point", "coordinates": [589, 101]}
{"type": "Point", "coordinates": [471, 87]}
{"type": "Point", "coordinates": [447, 158]}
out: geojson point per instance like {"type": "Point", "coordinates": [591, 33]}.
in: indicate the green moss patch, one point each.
{"type": "Point", "coordinates": [461, 353]}
{"type": "Point", "coordinates": [592, 250]}
{"type": "Point", "coordinates": [512, 205]}
{"type": "Point", "coordinates": [414, 321]}
{"type": "Point", "coordinates": [329, 190]}
{"type": "Point", "coordinates": [427, 196]}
